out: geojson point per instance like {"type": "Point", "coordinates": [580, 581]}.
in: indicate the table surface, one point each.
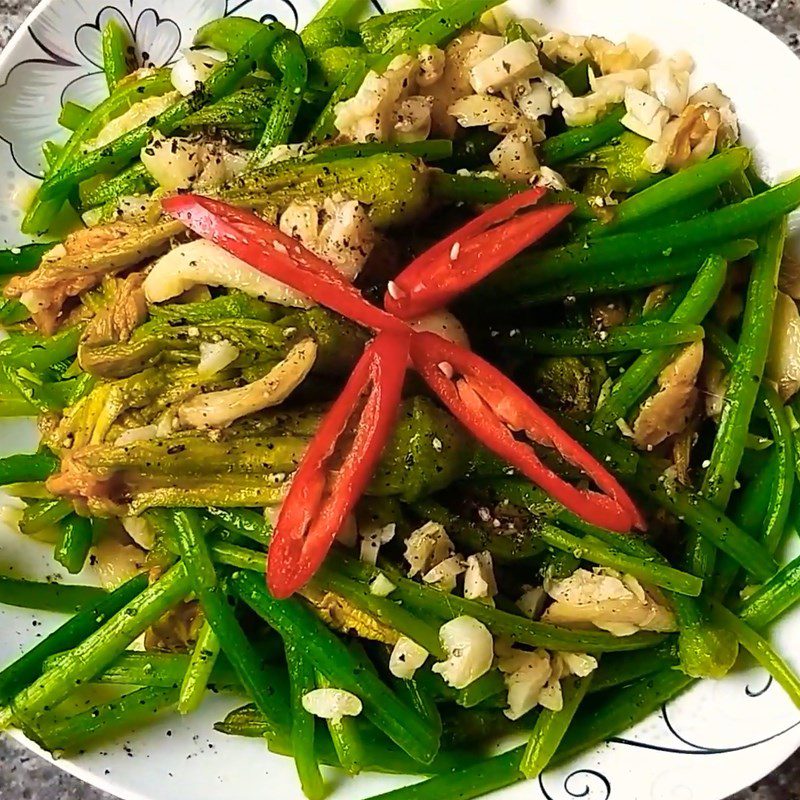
{"type": "Point", "coordinates": [25, 776]}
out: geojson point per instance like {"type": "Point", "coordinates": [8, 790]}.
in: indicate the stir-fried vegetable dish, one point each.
{"type": "Point", "coordinates": [424, 380]}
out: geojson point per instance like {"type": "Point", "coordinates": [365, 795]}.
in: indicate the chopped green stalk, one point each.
{"type": "Point", "coordinates": [384, 610]}
{"type": "Point", "coordinates": [593, 257]}
{"type": "Point", "coordinates": [117, 49]}
{"type": "Point", "coordinates": [617, 669]}
{"type": "Point", "coordinates": [761, 650]}
{"type": "Point", "coordinates": [123, 150]}
{"type": "Point", "coordinates": [577, 141]}
{"type": "Point", "coordinates": [705, 650]}
{"type": "Point", "coordinates": [98, 650]}
{"type": "Point", "coordinates": [37, 353]}
{"type": "Point", "coordinates": [606, 548]}
{"type": "Point", "coordinates": [323, 34]}
{"type": "Point", "coordinates": [780, 593]}
{"type": "Point", "coordinates": [382, 31]}
{"type": "Point", "coordinates": [345, 10]}
{"type": "Point", "coordinates": [551, 727]}
{"type": "Point", "coordinates": [198, 673]}
{"type": "Point", "coordinates": [22, 259]}
{"type": "Point", "coordinates": [229, 34]}
{"type": "Point", "coordinates": [64, 598]}
{"type": "Point", "coordinates": [625, 277]}
{"type": "Point", "coordinates": [50, 151]}
{"type": "Point", "coordinates": [707, 520]}
{"type": "Point", "coordinates": [393, 186]}
{"type": "Point", "coordinates": [586, 342]}
{"type": "Point", "coordinates": [28, 667]}
{"type": "Point", "coordinates": [72, 115]}
{"type": "Point", "coordinates": [301, 682]}
{"type": "Point", "coordinates": [766, 519]}
{"type": "Point", "coordinates": [597, 552]}
{"type": "Point", "coordinates": [12, 312]}
{"type": "Point", "coordinates": [131, 181]}
{"type": "Point", "coordinates": [744, 379]}
{"type": "Point", "coordinates": [41, 211]}
{"type": "Point", "coordinates": [379, 754]}
{"type": "Point", "coordinates": [187, 529]}
{"type": "Point", "coordinates": [25, 468]}
{"type": "Point", "coordinates": [677, 189]}
{"type": "Point", "coordinates": [324, 127]}
{"type": "Point", "coordinates": [74, 542]}
{"type": "Point", "coordinates": [43, 514]}
{"type": "Point", "coordinates": [168, 670]}
{"type": "Point", "coordinates": [488, 686]}
{"type": "Point", "coordinates": [291, 58]}
{"type": "Point", "coordinates": [345, 737]}
{"type": "Point", "coordinates": [629, 389]}
{"type": "Point", "coordinates": [576, 77]}
{"type": "Point", "coordinates": [429, 150]}
{"type": "Point", "coordinates": [464, 783]}
{"type": "Point", "coordinates": [481, 189]}
{"type": "Point", "coordinates": [242, 521]}
{"type": "Point", "coordinates": [437, 28]}
{"type": "Point", "coordinates": [297, 624]}
{"type": "Point", "coordinates": [429, 601]}
{"type": "Point", "coordinates": [129, 712]}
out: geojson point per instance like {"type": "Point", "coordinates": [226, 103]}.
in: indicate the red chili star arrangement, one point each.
{"type": "Point", "coordinates": [343, 454]}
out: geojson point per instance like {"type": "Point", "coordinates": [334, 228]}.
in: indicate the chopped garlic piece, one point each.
{"type": "Point", "coordinates": [371, 541]}
{"type": "Point", "coordinates": [601, 598]}
{"type": "Point", "coordinates": [331, 703]}
{"type": "Point", "coordinates": [516, 61]}
{"type": "Point", "coordinates": [193, 67]}
{"type": "Point", "coordinates": [413, 119]}
{"type": "Point", "coordinates": [215, 356]}
{"type": "Point", "coordinates": [531, 604]}
{"type": "Point", "coordinates": [526, 674]}
{"type": "Point", "coordinates": [579, 664]}
{"type": "Point", "coordinates": [515, 157]}
{"type": "Point", "coordinates": [670, 409]}
{"type": "Point", "coordinates": [445, 573]}
{"type": "Point", "coordinates": [670, 84]}
{"type": "Point", "coordinates": [499, 114]}
{"type": "Point", "coordinates": [537, 102]}
{"type": "Point", "coordinates": [432, 62]}
{"type": "Point", "coordinates": [426, 547]}
{"type": "Point", "coordinates": [370, 114]}
{"type": "Point", "coordinates": [783, 362]}
{"type": "Point", "coordinates": [645, 115]}
{"type": "Point", "coordinates": [470, 651]}
{"type": "Point", "coordinates": [140, 530]}
{"type": "Point", "coordinates": [443, 323]}
{"type": "Point", "coordinates": [479, 580]}
{"type": "Point", "coordinates": [686, 140]}
{"type": "Point", "coordinates": [381, 586]}
{"type": "Point", "coordinates": [406, 658]}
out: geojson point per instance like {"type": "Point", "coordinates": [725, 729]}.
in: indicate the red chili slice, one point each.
{"type": "Point", "coordinates": [492, 408]}
{"type": "Point", "coordinates": [272, 252]}
{"type": "Point", "coordinates": [467, 256]}
{"type": "Point", "coordinates": [338, 465]}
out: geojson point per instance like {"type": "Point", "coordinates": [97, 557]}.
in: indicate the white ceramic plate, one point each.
{"type": "Point", "coordinates": [713, 741]}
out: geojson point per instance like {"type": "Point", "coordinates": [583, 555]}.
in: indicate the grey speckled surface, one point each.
{"type": "Point", "coordinates": [24, 776]}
